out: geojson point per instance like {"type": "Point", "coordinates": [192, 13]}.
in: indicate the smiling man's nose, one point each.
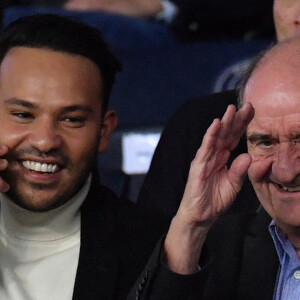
{"type": "Point", "coordinates": [286, 163]}
{"type": "Point", "coordinates": [45, 137]}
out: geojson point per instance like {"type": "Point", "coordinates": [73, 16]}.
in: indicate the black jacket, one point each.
{"type": "Point", "coordinates": [116, 242]}
{"type": "Point", "coordinates": [239, 262]}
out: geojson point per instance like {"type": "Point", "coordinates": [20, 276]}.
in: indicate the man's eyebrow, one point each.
{"type": "Point", "coordinates": [20, 102]}
{"type": "Point", "coordinates": [73, 108]}
{"type": "Point", "coordinates": [254, 137]}
{"type": "Point", "coordinates": [27, 104]}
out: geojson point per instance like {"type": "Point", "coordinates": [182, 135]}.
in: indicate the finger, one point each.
{"type": "Point", "coordinates": [234, 125]}
{"type": "Point", "coordinates": [238, 170]}
{"type": "Point", "coordinates": [227, 120]}
{"type": "Point", "coordinates": [242, 119]}
{"type": "Point", "coordinates": [3, 164]}
{"type": "Point", "coordinates": [209, 141]}
{"type": "Point", "coordinates": [244, 115]}
{"type": "Point", "coordinates": [4, 186]}
{"type": "Point", "coordinates": [3, 150]}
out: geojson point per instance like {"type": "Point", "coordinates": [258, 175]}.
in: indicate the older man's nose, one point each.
{"type": "Point", "coordinates": [286, 164]}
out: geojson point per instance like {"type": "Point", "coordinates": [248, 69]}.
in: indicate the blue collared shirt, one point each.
{"type": "Point", "coordinates": [288, 276]}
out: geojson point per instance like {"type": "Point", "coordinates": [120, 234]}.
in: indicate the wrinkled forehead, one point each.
{"type": "Point", "coordinates": [275, 82]}
{"type": "Point", "coordinates": [276, 102]}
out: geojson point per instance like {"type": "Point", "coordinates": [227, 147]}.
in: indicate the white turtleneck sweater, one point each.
{"type": "Point", "coordinates": [39, 251]}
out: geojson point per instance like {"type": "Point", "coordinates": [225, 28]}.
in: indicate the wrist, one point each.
{"type": "Point", "coordinates": [183, 246]}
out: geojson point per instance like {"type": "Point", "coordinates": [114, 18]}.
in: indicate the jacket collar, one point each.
{"type": "Point", "coordinates": [260, 260]}
{"type": "Point", "coordinates": [97, 267]}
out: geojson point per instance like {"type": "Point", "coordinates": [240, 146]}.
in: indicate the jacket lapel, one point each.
{"type": "Point", "coordinates": [260, 261]}
{"type": "Point", "coordinates": [97, 271]}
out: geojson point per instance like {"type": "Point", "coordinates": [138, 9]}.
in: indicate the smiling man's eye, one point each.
{"type": "Point", "coordinates": [74, 121]}
{"type": "Point", "coordinates": [22, 115]}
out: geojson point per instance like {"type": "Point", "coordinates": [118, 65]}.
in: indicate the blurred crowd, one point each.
{"type": "Point", "coordinates": [190, 20]}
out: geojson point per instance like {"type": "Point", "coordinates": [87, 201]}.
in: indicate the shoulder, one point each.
{"type": "Point", "coordinates": [102, 203]}
{"type": "Point", "coordinates": [231, 230]}
{"type": "Point", "coordinates": [225, 239]}
{"type": "Point", "coordinates": [231, 225]}
{"type": "Point", "coordinates": [223, 246]}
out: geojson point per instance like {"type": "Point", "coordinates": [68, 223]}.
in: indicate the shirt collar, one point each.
{"type": "Point", "coordinates": [283, 245]}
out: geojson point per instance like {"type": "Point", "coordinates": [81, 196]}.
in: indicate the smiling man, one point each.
{"type": "Point", "coordinates": [62, 236]}
{"type": "Point", "coordinates": [50, 120]}
{"type": "Point", "coordinates": [246, 256]}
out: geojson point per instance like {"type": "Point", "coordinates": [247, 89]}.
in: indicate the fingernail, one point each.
{"type": "Point", "coordinates": [4, 162]}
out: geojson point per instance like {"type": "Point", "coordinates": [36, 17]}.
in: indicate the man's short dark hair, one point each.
{"type": "Point", "coordinates": [62, 34]}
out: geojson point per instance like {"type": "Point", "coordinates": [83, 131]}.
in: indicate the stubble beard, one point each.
{"type": "Point", "coordinates": [80, 175]}
{"type": "Point", "coordinates": [28, 199]}
{"type": "Point", "coordinates": [77, 178]}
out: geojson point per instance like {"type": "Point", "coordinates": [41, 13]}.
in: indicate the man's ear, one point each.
{"type": "Point", "coordinates": [109, 123]}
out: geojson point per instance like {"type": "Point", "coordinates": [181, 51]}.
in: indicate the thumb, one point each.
{"type": "Point", "coordinates": [4, 187]}
{"type": "Point", "coordinates": [238, 170]}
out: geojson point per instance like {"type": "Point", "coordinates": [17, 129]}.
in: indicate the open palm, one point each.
{"type": "Point", "coordinates": [211, 186]}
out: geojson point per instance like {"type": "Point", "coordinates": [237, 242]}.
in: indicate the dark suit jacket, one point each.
{"type": "Point", "coordinates": [200, 20]}
{"type": "Point", "coordinates": [164, 184]}
{"type": "Point", "coordinates": [239, 262]}
{"type": "Point", "coordinates": [116, 242]}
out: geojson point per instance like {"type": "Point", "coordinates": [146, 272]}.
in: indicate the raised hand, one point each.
{"type": "Point", "coordinates": [4, 187]}
{"type": "Point", "coordinates": [210, 189]}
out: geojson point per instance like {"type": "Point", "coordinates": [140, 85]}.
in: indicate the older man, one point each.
{"type": "Point", "coordinates": [252, 256]}
{"type": "Point", "coordinates": [164, 185]}
{"type": "Point", "coordinates": [62, 235]}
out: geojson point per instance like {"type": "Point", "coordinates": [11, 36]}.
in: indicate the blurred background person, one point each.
{"type": "Point", "coordinates": [195, 20]}
{"type": "Point", "coordinates": [189, 20]}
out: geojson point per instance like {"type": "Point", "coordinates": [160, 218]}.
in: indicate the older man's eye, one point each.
{"type": "Point", "coordinates": [266, 143]}
{"type": "Point", "coordinates": [296, 142]}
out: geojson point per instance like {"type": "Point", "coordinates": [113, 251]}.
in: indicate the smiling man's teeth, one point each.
{"type": "Point", "coordinates": [291, 189]}
{"type": "Point", "coordinates": [38, 167]}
